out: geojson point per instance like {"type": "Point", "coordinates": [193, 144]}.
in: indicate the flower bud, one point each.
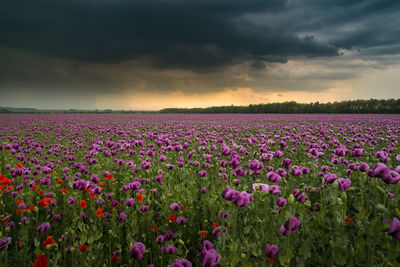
{"type": "Point", "coordinates": [351, 189]}
{"type": "Point", "coordinates": [291, 199]}
{"type": "Point", "coordinates": [397, 212]}
{"type": "Point", "coordinates": [381, 208]}
{"type": "Point", "coordinates": [380, 189]}
{"type": "Point", "coordinates": [344, 196]}
{"type": "Point", "coordinates": [335, 185]}
{"type": "Point", "coordinates": [243, 256]}
{"type": "Point", "coordinates": [181, 242]}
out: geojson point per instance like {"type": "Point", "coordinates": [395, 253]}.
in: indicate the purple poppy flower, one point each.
{"type": "Point", "coordinates": [56, 217]}
{"type": "Point", "coordinates": [181, 263]}
{"type": "Point", "coordinates": [122, 217]}
{"type": "Point", "coordinates": [130, 202]}
{"type": "Point", "coordinates": [290, 226]}
{"type": "Point", "coordinates": [70, 200]}
{"type": "Point", "coordinates": [344, 184]}
{"type": "Point", "coordinates": [160, 239]}
{"type": "Point", "coordinates": [203, 173]}
{"type": "Point", "coordinates": [286, 163]}
{"type": "Point", "coordinates": [274, 189]}
{"type": "Point", "coordinates": [4, 242]}
{"type": "Point", "coordinates": [24, 220]}
{"type": "Point", "coordinates": [63, 238]}
{"type": "Point", "coordinates": [144, 208]}
{"type": "Point", "coordinates": [159, 178]}
{"type": "Point", "coordinates": [281, 202]}
{"type": "Point", "coordinates": [209, 257]}
{"type": "Point", "coordinates": [10, 225]}
{"type": "Point", "coordinates": [230, 194]}
{"type": "Point", "coordinates": [329, 178]}
{"type": "Point", "coordinates": [170, 249]}
{"type": "Point", "coordinates": [244, 199]}
{"type": "Point", "coordinates": [43, 228]}
{"type": "Point", "coordinates": [181, 220]}
{"type": "Point", "coordinates": [271, 251]}
{"type": "Point", "coordinates": [203, 190]}
{"type": "Point", "coordinates": [169, 235]}
{"type": "Point", "coordinates": [137, 250]}
{"type": "Point", "coordinates": [175, 206]}
{"type": "Point", "coordinates": [394, 229]}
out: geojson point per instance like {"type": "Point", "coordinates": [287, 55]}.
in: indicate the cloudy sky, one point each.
{"type": "Point", "coordinates": [152, 54]}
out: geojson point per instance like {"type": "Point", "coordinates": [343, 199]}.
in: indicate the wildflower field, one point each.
{"type": "Point", "coordinates": [199, 190]}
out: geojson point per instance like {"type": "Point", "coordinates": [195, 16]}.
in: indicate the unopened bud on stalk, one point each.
{"type": "Point", "coordinates": [380, 189]}
{"type": "Point", "coordinates": [291, 199]}
{"type": "Point", "coordinates": [381, 208]}
{"type": "Point", "coordinates": [397, 213]}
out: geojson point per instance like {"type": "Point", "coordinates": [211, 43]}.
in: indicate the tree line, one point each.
{"type": "Point", "coordinates": [350, 106]}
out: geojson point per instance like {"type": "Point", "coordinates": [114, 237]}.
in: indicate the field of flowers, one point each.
{"type": "Point", "coordinates": [199, 190]}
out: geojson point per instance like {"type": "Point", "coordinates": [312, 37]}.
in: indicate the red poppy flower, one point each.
{"type": "Point", "coordinates": [347, 220]}
{"type": "Point", "coordinates": [154, 228]}
{"type": "Point", "coordinates": [45, 202]}
{"type": "Point", "coordinates": [171, 218]}
{"type": "Point", "coordinates": [19, 165]}
{"type": "Point", "coordinates": [99, 212]}
{"type": "Point", "coordinates": [64, 190]}
{"type": "Point", "coordinates": [115, 258]}
{"type": "Point", "coordinates": [203, 234]}
{"type": "Point", "coordinates": [48, 242]}
{"type": "Point", "coordinates": [270, 260]}
{"type": "Point", "coordinates": [41, 261]}
{"type": "Point", "coordinates": [83, 204]}
{"type": "Point", "coordinates": [60, 181]}
{"type": "Point", "coordinates": [140, 197]}
{"type": "Point", "coordinates": [215, 225]}
{"type": "Point", "coordinates": [83, 248]}
{"type": "Point", "coordinates": [101, 183]}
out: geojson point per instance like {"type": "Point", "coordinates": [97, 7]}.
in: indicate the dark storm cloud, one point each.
{"type": "Point", "coordinates": [169, 33]}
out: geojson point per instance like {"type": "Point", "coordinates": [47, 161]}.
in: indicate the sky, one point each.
{"type": "Point", "coordinates": [154, 54]}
